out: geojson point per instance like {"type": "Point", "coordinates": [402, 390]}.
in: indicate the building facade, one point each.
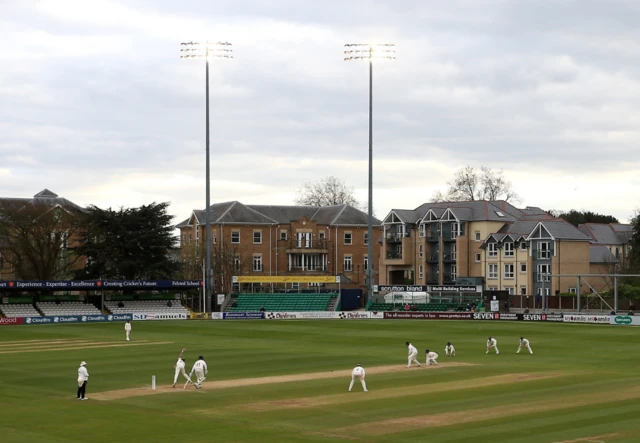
{"type": "Point", "coordinates": [522, 251]}
{"type": "Point", "coordinates": [262, 240]}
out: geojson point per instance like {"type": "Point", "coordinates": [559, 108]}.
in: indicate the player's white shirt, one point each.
{"type": "Point", "coordinates": [180, 364]}
{"type": "Point", "coordinates": [358, 371]}
{"type": "Point", "coordinates": [200, 365]}
{"type": "Point", "coordinates": [127, 326]}
{"type": "Point", "coordinates": [83, 374]}
{"type": "Point", "coordinates": [492, 342]}
{"type": "Point", "coordinates": [449, 349]}
{"type": "Point", "coordinates": [524, 343]}
{"type": "Point", "coordinates": [432, 355]}
{"type": "Point", "coordinates": [412, 349]}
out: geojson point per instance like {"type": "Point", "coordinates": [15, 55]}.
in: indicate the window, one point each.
{"type": "Point", "coordinates": [347, 238]}
{"type": "Point", "coordinates": [420, 253]}
{"type": "Point", "coordinates": [236, 263]}
{"type": "Point", "coordinates": [499, 214]}
{"type": "Point", "coordinates": [477, 236]}
{"type": "Point", "coordinates": [321, 235]}
{"type": "Point", "coordinates": [197, 234]}
{"type": "Point", "coordinates": [523, 268]}
{"type": "Point", "coordinates": [493, 249]}
{"type": "Point", "coordinates": [492, 288]}
{"type": "Point", "coordinates": [493, 271]}
{"type": "Point", "coordinates": [257, 237]}
{"type": "Point", "coordinates": [235, 236]}
{"type": "Point", "coordinates": [511, 290]}
{"type": "Point", "coordinates": [438, 227]}
{"type": "Point", "coordinates": [478, 257]}
{"type": "Point", "coordinates": [215, 237]}
{"type": "Point", "coordinates": [544, 251]}
{"type": "Point", "coordinates": [420, 274]}
{"type": "Point", "coordinates": [454, 252]}
{"type": "Point", "coordinates": [283, 235]}
{"type": "Point", "coordinates": [543, 269]}
{"type": "Point", "coordinates": [257, 263]}
{"type": "Point", "coordinates": [508, 270]}
{"type": "Point", "coordinates": [184, 238]}
{"type": "Point", "coordinates": [523, 246]}
{"type": "Point", "coordinates": [454, 272]}
{"type": "Point", "coordinates": [190, 235]}
{"type": "Point", "coordinates": [523, 290]}
{"type": "Point", "coordinates": [366, 238]}
{"type": "Point", "coordinates": [366, 262]}
{"type": "Point", "coordinates": [295, 286]}
{"type": "Point", "coordinates": [421, 229]}
{"type": "Point", "coordinates": [573, 290]}
{"type": "Point", "coordinates": [456, 230]}
{"type": "Point", "coordinates": [235, 287]}
{"type": "Point", "coordinates": [348, 263]}
{"type": "Point", "coordinates": [546, 291]}
{"type": "Point", "coordinates": [508, 249]}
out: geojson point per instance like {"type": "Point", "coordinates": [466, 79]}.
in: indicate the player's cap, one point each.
{"type": "Point", "coordinates": [407, 343]}
{"type": "Point", "coordinates": [201, 357]}
{"type": "Point", "coordinates": [521, 338]}
{"type": "Point", "coordinates": [358, 364]}
{"type": "Point", "coordinates": [448, 343]}
{"type": "Point", "coordinates": [83, 363]}
{"type": "Point", "coordinates": [427, 351]}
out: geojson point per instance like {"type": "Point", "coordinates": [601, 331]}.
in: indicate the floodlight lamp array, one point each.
{"type": "Point", "coordinates": [366, 51]}
{"type": "Point", "coordinates": [206, 49]}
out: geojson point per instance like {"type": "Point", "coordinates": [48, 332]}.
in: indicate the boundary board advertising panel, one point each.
{"type": "Point", "coordinates": [161, 316]}
{"type": "Point", "coordinates": [11, 321]}
{"type": "Point", "coordinates": [624, 320]}
{"type": "Point", "coordinates": [413, 315]}
{"type": "Point", "coordinates": [243, 315]}
{"type": "Point", "coordinates": [57, 319]}
{"type": "Point", "coordinates": [586, 318]}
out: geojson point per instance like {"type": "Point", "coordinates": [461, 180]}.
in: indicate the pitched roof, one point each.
{"type": "Point", "coordinates": [608, 234]}
{"type": "Point", "coordinates": [44, 197]}
{"type": "Point", "coordinates": [408, 215]}
{"type": "Point", "coordinates": [601, 254]}
{"type": "Point", "coordinates": [475, 210]}
{"type": "Point", "coordinates": [563, 230]}
{"type": "Point", "coordinates": [236, 212]}
{"type": "Point", "coordinates": [519, 227]}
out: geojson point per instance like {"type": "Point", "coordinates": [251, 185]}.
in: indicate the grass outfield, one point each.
{"type": "Point", "coordinates": [581, 385]}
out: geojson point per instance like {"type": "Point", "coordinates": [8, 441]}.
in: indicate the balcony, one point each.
{"type": "Point", "coordinates": [432, 236]}
{"type": "Point", "coordinates": [433, 258]}
{"type": "Point", "coordinates": [395, 237]}
{"type": "Point", "coordinates": [304, 246]}
{"type": "Point", "coordinates": [394, 255]}
{"type": "Point", "coordinates": [450, 258]}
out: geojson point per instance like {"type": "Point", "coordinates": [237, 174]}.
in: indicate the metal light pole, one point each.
{"type": "Point", "coordinates": [207, 50]}
{"type": "Point", "coordinates": [366, 51]}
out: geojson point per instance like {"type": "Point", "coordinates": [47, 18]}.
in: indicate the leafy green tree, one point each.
{"type": "Point", "coordinates": [579, 217]}
{"type": "Point", "coordinates": [129, 244]}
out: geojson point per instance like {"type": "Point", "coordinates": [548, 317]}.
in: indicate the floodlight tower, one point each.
{"type": "Point", "coordinates": [206, 50]}
{"type": "Point", "coordinates": [370, 52]}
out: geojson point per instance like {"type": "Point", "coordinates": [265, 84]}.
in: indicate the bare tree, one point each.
{"type": "Point", "coordinates": [227, 260]}
{"type": "Point", "coordinates": [471, 184]}
{"type": "Point", "coordinates": [328, 191]}
{"type": "Point", "coordinates": [38, 240]}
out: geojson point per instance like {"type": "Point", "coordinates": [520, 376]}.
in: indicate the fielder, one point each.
{"type": "Point", "coordinates": [201, 370]}
{"type": "Point", "coordinates": [449, 350]}
{"type": "Point", "coordinates": [358, 371]}
{"type": "Point", "coordinates": [492, 343]}
{"type": "Point", "coordinates": [127, 329]}
{"type": "Point", "coordinates": [524, 343]}
{"type": "Point", "coordinates": [413, 353]}
{"type": "Point", "coordinates": [180, 365]}
{"type": "Point", "coordinates": [432, 357]}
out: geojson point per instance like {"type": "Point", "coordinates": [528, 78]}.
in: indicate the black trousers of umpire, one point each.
{"type": "Point", "coordinates": [82, 389]}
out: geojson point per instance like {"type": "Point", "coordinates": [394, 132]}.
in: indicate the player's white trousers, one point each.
{"type": "Point", "coordinates": [178, 371]}
{"type": "Point", "coordinates": [412, 358]}
{"type": "Point", "coordinates": [362, 382]}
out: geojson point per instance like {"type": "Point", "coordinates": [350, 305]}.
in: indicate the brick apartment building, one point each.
{"type": "Point", "coordinates": [285, 240]}
{"type": "Point", "coordinates": [506, 248]}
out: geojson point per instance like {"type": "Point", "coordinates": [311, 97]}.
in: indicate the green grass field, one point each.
{"type": "Point", "coordinates": [581, 385]}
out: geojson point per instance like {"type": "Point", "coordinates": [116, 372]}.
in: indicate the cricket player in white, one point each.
{"type": "Point", "coordinates": [431, 357]}
{"type": "Point", "coordinates": [449, 350]}
{"type": "Point", "coordinates": [413, 353]}
{"type": "Point", "coordinates": [127, 329]}
{"type": "Point", "coordinates": [83, 377]}
{"type": "Point", "coordinates": [524, 343]}
{"type": "Point", "coordinates": [201, 370]}
{"type": "Point", "coordinates": [492, 343]}
{"type": "Point", "coordinates": [180, 364]}
{"type": "Point", "coordinates": [358, 371]}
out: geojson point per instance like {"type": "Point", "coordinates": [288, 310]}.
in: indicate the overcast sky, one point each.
{"type": "Point", "coordinates": [96, 105]}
